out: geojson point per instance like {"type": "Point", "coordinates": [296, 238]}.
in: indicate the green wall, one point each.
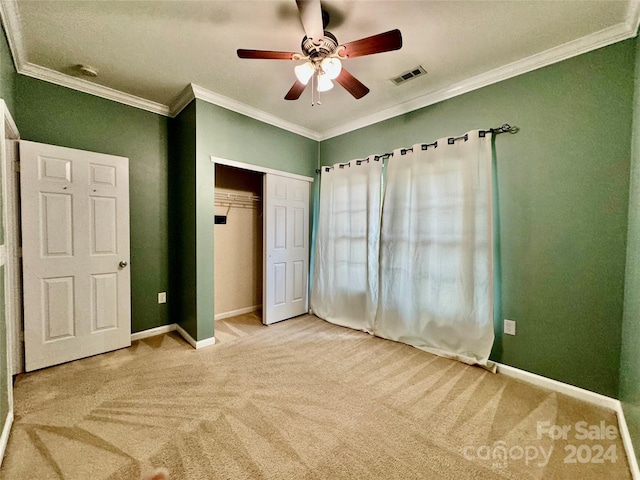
{"type": "Point", "coordinates": [48, 113]}
{"type": "Point", "coordinates": [7, 74]}
{"type": "Point", "coordinates": [630, 355]}
{"type": "Point", "coordinates": [225, 134]}
{"type": "Point", "coordinates": [562, 184]}
{"type": "Point", "coordinates": [182, 216]}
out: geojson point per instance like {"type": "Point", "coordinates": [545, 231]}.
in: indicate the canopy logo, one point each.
{"type": "Point", "coordinates": [585, 450]}
{"type": "Point", "coordinates": [500, 454]}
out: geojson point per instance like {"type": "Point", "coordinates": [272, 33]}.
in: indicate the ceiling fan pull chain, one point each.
{"type": "Point", "coordinates": [313, 90]}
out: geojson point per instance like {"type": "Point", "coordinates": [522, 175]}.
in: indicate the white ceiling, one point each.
{"type": "Point", "coordinates": [153, 49]}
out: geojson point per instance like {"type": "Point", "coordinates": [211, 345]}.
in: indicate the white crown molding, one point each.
{"type": "Point", "coordinates": [239, 107]}
{"type": "Point", "coordinates": [82, 85]}
{"type": "Point", "coordinates": [13, 29]}
{"type": "Point", "coordinates": [557, 54]}
{"type": "Point", "coordinates": [182, 100]}
{"type": "Point", "coordinates": [633, 15]}
{"type": "Point", "coordinates": [193, 91]}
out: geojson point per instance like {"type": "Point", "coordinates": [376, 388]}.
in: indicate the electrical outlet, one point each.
{"type": "Point", "coordinates": [509, 327]}
{"type": "Point", "coordinates": [162, 297]}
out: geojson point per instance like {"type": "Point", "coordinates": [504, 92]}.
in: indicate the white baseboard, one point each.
{"type": "Point", "coordinates": [570, 390]}
{"type": "Point", "coordinates": [628, 444]}
{"type": "Point", "coordinates": [197, 344]}
{"type": "Point", "coordinates": [586, 396]}
{"type": "Point", "coordinates": [4, 438]}
{"type": "Point", "coordinates": [233, 313]}
{"type": "Point", "coordinates": [152, 332]}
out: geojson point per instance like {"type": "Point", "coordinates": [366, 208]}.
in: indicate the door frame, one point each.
{"type": "Point", "coordinates": [13, 242]}
{"type": "Point", "coordinates": [9, 257]}
{"type": "Point", "coordinates": [264, 170]}
{"type": "Point", "coordinates": [257, 168]}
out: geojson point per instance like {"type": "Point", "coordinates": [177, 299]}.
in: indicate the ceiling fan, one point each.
{"type": "Point", "coordinates": [323, 54]}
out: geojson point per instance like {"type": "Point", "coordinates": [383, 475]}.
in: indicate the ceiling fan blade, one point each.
{"type": "Point", "coordinates": [295, 91]}
{"type": "Point", "coordinates": [311, 17]}
{"type": "Point", "coordinates": [383, 42]}
{"type": "Point", "coordinates": [352, 85]}
{"type": "Point", "coordinates": [265, 54]}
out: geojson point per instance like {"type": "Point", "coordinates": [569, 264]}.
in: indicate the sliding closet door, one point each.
{"type": "Point", "coordinates": [286, 256]}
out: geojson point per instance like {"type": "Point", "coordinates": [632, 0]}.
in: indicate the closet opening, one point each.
{"type": "Point", "coordinates": [238, 252]}
{"type": "Point", "coordinates": [261, 246]}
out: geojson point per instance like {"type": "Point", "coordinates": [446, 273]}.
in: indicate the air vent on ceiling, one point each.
{"type": "Point", "coordinates": [409, 75]}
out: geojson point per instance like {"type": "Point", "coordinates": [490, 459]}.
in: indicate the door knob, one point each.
{"type": "Point", "coordinates": [122, 264]}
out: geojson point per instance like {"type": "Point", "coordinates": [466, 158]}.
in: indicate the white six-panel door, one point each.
{"type": "Point", "coordinates": [286, 256]}
{"type": "Point", "coordinates": [75, 229]}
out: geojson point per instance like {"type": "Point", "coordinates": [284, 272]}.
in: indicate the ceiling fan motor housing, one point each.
{"type": "Point", "coordinates": [316, 52]}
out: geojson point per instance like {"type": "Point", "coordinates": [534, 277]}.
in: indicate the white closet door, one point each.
{"type": "Point", "coordinates": [286, 258]}
{"type": "Point", "coordinates": [75, 227]}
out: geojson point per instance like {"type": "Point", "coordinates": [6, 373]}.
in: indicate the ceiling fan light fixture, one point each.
{"type": "Point", "coordinates": [324, 83]}
{"type": "Point", "coordinates": [322, 54]}
{"type": "Point", "coordinates": [331, 66]}
{"type": "Point", "coordinates": [304, 72]}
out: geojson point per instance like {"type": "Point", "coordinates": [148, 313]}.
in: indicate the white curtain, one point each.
{"type": "Point", "coordinates": [345, 278]}
{"type": "Point", "coordinates": [436, 257]}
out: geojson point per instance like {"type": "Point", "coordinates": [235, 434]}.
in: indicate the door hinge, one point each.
{"type": "Point", "coordinates": [19, 253]}
{"type": "Point", "coordinates": [17, 166]}
{"type": "Point", "coordinates": [21, 338]}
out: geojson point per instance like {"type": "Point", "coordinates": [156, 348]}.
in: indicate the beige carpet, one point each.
{"type": "Point", "coordinates": [239, 326]}
{"type": "Point", "coordinates": [301, 399]}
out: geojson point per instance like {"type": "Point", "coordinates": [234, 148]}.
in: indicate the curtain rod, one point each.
{"type": "Point", "coordinates": [506, 128]}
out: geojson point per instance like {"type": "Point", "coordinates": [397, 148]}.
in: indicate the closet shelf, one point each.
{"type": "Point", "coordinates": [236, 200]}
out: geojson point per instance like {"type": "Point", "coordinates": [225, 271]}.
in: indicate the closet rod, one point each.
{"type": "Point", "coordinates": [506, 128]}
{"type": "Point", "coordinates": [236, 196]}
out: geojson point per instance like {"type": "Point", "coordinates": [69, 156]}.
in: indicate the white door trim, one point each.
{"type": "Point", "coordinates": [257, 168]}
{"type": "Point", "coordinates": [13, 276]}
{"type": "Point", "coordinates": [9, 131]}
